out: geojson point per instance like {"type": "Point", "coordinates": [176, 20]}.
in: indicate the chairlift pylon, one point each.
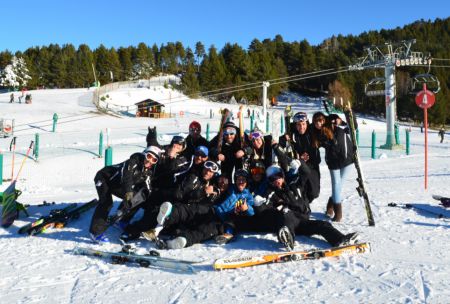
{"type": "Point", "coordinates": [417, 82]}
{"type": "Point", "coordinates": [375, 87]}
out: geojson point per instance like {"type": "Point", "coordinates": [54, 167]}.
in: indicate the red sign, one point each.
{"type": "Point", "coordinates": [425, 99]}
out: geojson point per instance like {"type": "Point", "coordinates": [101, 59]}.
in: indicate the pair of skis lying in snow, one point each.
{"type": "Point", "coordinates": [438, 211]}
{"type": "Point", "coordinates": [154, 259]}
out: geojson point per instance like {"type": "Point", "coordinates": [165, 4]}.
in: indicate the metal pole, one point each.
{"type": "Point", "coordinates": [207, 131]}
{"type": "Point", "coordinates": [1, 168]}
{"type": "Point", "coordinates": [36, 146]}
{"type": "Point", "coordinates": [374, 144]}
{"type": "Point", "coordinates": [108, 156]}
{"type": "Point", "coordinates": [265, 85]}
{"type": "Point", "coordinates": [100, 145]}
{"type": "Point", "coordinates": [390, 98]}
{"type": "Point", "coordinates": [425, 114]}
{"type": "Point", "coordinates": [407, 142]}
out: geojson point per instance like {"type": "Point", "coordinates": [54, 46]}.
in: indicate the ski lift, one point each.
{"type": "Point", "coordinates": [375, 87]}
{"type": "Point", "coordinates": [417, 82]}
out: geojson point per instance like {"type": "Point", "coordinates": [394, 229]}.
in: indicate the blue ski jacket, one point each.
{"type": "Point", "coordinates": [227, 208]}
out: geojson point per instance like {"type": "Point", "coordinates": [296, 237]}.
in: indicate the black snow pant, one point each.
{"type": "Point", "coordinates": [189, 215]}
{"type": "Point", "coordinates": [313, 185]}
{"type": "Point", "coordinates": [105, 192]}
{"type": "Point", "coordinates": [202, 232]}
{"type": "Point", "coordinates": [182, 214]}
{"type": "Point", "coordinates": [263, 221]}
{"type": "Point", "coordinates": [301, 226]}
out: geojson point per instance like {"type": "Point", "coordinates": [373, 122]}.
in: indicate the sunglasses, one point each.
{"type": "Point", "coordinates": [211, 166]}
{"type": "Point", "coordinates": [228, 132]}
{"type": "Point", "coordinates": [194, 130]}
{"type": "Point", "coordinates": [257, 170]}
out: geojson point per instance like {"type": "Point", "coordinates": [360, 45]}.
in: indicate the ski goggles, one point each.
{"type": "Point", "coordinates": [257, 170]}
{"type": "Point", "coordinates": [229, 131]}
{"type": "Point", "coordinates": [151, 158]}
{"type": "Point", "coordinates": [255, 135]}
{"type": "Point", "coordinates": [299, 117]}
{"type": "Point", "coordinates": [211, 166]}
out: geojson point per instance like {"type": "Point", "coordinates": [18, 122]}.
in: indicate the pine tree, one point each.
{"type": "Point", "coordinates": [15, 74]}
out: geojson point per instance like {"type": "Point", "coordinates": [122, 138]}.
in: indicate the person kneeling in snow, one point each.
{"type": "Point", "coordinates": [130, 181]}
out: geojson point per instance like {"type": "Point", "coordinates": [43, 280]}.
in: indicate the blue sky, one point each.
{"type": "Point", "coordinates": [117, 23]}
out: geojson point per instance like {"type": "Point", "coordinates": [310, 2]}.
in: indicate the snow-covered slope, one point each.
{"type": "Point", "coordinates": [409, 262]}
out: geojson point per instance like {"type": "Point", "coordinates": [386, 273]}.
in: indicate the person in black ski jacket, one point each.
{"type": "Point", "coordinates": [302, 144]}
{"type": "Point", "coordinates": [124, 180]}
{"type": "Point", "coordinates": [260, 148]}
{"type": "Point", "coordinates": [197, 190]}
{"type": "Point", "coordinates": [172, 164]}
{"type": "Point", "coordinates": [290, 206]}
{"type": "Point", "coordinates": [231, 153]}
{"type": "Point", "coordinates": [194, 140]}
{"type": "Point", "coordinates": [339, 156]}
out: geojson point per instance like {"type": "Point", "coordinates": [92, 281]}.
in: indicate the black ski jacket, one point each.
{"type": "Point", "coordinates": [338, 151]}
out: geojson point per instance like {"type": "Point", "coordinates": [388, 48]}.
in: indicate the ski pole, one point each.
{"type": "Point", "coordinates": [13, 146]}
{"type": "Point", "coordinates": [24, 159]}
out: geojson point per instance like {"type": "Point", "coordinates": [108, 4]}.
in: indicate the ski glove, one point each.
{"type": "Point", "coordinates": [127, 200]}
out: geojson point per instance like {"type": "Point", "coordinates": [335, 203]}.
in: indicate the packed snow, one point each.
{"type": "Point", "coordinates": [409, 261]}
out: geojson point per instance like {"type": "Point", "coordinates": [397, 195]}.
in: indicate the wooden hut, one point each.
{"type": "Point", "coordinates": [150, 108]}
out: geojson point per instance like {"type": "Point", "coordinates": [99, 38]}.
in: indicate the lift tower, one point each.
{"type": "Point", "coordinates": [389, 56]}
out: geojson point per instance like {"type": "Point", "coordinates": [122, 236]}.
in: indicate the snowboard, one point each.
{"type": "Point", "coordinates": [276, 130]}
{"type": "Point", "coordinates": [58, 218]}
{"type": "Point", "coordinates": [240, 262]}
{"type": "Point", "coordinates": [361, 189]}
{"type": "Point", "coordinates": [125, 256]}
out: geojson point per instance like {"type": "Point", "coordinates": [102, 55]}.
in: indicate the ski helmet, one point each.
{"type": "Point", "coordinates": [178, 140]}
{"type": "Point", "coordinates": [153, 151]}
{"type": "Point", "coordinates": [202, 151]}
{"type": "Point", "coordinates": [274, 172]}
{"type": "Point", "coordinates": [300, 116]}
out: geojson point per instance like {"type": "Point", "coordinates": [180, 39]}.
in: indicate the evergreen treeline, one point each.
{"type": "Point", "coordinates": [206, 70]}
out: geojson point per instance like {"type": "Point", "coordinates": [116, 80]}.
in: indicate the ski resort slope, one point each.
{"type": "Point", "coordinates": [409, 262]}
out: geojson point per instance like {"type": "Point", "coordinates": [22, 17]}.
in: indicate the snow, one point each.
{"type": "Point", "coordinates": [409, 262]}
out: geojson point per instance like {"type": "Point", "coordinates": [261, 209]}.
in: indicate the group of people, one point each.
{"type": "Point", "coordinates": [194, 190]}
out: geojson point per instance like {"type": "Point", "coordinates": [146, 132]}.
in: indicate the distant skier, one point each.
{"type": "Point", "coordinates": [442, 133]}
{"type": "Point", "coordinates": [11, 98]}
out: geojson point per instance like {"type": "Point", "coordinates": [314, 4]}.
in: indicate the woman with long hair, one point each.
{"type": "Point", "coordinates": [338, 156]}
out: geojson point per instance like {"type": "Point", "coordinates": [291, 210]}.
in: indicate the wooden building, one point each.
{"type": "Point", "coordinates": [151, 108]}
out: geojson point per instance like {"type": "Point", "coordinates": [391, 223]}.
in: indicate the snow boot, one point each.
{"type": "Point", "coordinates": [337, 212]}
{"type": "Point", "coordinates": [330, 210]}
{"type": "Point", "coordinates": [177, 243]}
{"type": "Point", "coordinates": [285, 237]}
{"type": "Point", "coordinates": [164, 211]}
{"type": "Point", "coordinates": [223, 239]}
{"type": "Point", "coordinates": [349, 239]}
